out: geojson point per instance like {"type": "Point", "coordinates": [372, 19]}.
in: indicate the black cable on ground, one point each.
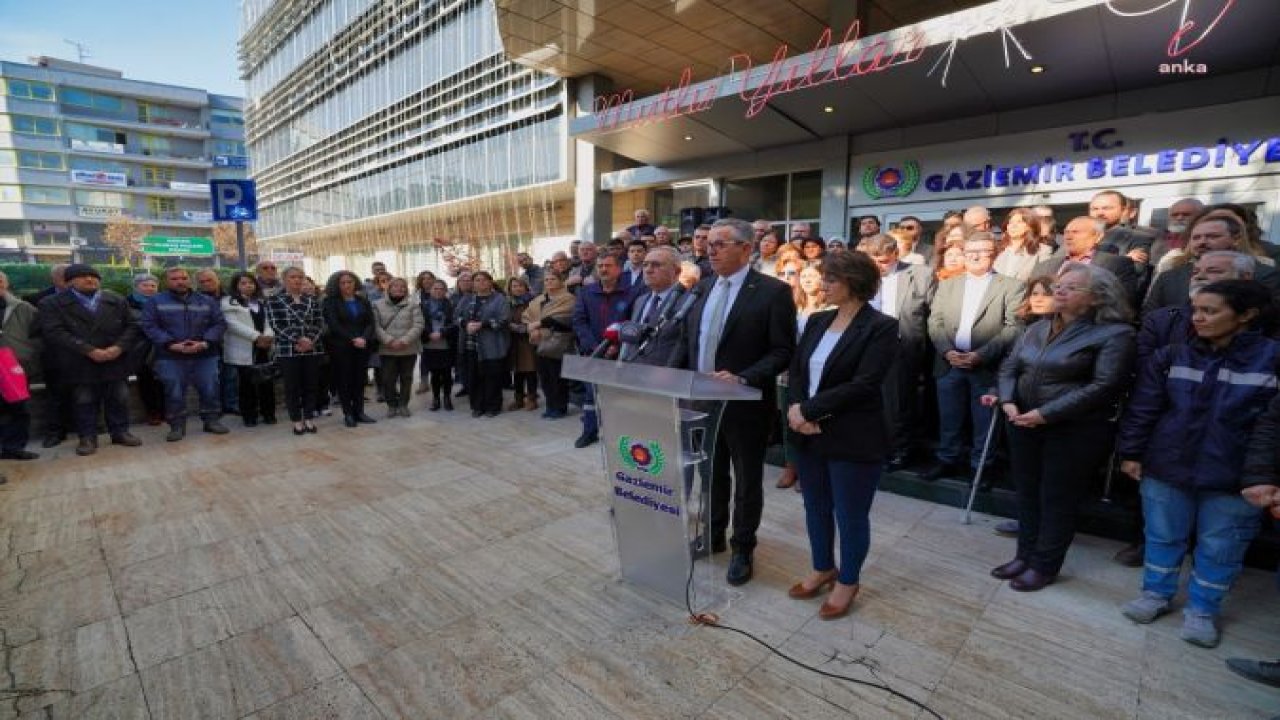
{"type": "Point", "coordinates": [713, 621]}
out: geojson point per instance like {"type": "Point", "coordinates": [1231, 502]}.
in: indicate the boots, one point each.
{"type": "Point", "coordinates": [516, 403]}
{"type": "Point", "coordinates": [531, 402]}
{"type": "Point", "coordinates": [435, 399]}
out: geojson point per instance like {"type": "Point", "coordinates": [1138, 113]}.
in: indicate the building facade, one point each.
{"type": "Point", "coordinates": [83, 146]}
{"type": "Point", "coordinates": [397, 130]}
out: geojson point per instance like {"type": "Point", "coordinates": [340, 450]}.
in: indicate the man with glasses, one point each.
{"type": "Point", "coordinates": [909, 241]}
{"type": "Point", "coordinates": [661, 268]}
{"type": "Point", "coordinates": [743, 330]}
{"type": "Point", "coordinates": [269, 278]}
{"type": "Point", "coordinates": [972, 325]}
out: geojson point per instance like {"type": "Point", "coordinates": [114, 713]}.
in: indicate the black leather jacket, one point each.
{"type": "Point", "coordinates": [1079, 374]}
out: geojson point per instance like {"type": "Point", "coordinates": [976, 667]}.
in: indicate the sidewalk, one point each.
{"type": "Point", "coordinates": [445, 567]}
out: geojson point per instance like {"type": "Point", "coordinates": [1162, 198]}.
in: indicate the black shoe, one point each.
{"type": "Point", "coordinates": [299, 430]}
{"type": "Point", "coordinates": [739, 568]}
{"type": "Point", "coordinates": [87, 446]}
{"type": "Point", "coordinates": [477, 413]}
{"type": "Point", "coordinates": [897, 461]}
{"type": "Point", "coordinates": [1266, 672]}
{"type": "Point", "coordinates": [349, 421]}
{"type": "Point", "coordinates": [365, 419]}
{"type": "Point", "coordinates": [491, 414]}
{"type": "Point", "coordinates": [698, 546]}
{"type": "Point", "coordinates": [448, 403]}
{"type": "Point", "coordinates": [382, 398]}
{"type": "Point", "coordinates": [53, 440]}
{"type": "Point", "coordinates": [435, 405]}
{"type": "Point", "coordinates": [461, 393]}
{"type": "Point", "coordinates": [586, 439]}
{"type": "Point", "coordinates": [1131, 556]}
{"type": "Point", "coordinates": [308, 427]}
{"type": "Point", "coordinates": [127, 439]}
{"type": "Point", "coordinates": [216, 427]}
{"type": "Point", "coordinates": [269, 420]}
{"type": "Point", "coordinates": [18, 455]}
{"type": "Point", "coordinates": [249, 422]}
{"type": "Point", "coordinates": [175, 434]}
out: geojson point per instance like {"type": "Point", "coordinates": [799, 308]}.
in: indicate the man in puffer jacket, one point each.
{"type": "Point", "coordinates": [186, 329]}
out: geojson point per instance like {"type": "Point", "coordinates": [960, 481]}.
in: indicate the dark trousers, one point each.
{"type": "Point", "coordinates": [59, 413]}
{"type": "Point", "coordinates": [554, 387]}
{"type": "Point", "coordinates": [15, 426]}
{"type": "Point", "coordinates": [441, 383]}
{"type": "Point", "coordinates": [740, 445]}
{"type": "Point", "coordinates": [902, 400]}
{"type": "Point", "coordinates": [1053, 467]}
{"type": "Point", "coordinates": [256, 399]}
{"type": "Point", "coordinates": [349, 368]}
{"type": "Point", "coordinates": [230, 380]}
{"type": "Point", "coordinates": [526, 385]}
{"type": "Point", "coordinates": [179, 374]}
{"type": "Point", "coordinates": [837, 498]}
{"type": "Point", "coordinates": [486, 385]}
{"type": "Point", "coordinates": [112, 397]}
{"type": "Point", "coordinates": [150, 391]}
{"type": "Point", "coordinates": [959, 398]}
{"type": "Point", "coordinates": [397, 379]}
{"type": "Point", "coordinates": [301, 377]}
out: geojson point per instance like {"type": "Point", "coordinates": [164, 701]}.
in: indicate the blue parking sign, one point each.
{"type": "Point", "coordinates": [234, 200]}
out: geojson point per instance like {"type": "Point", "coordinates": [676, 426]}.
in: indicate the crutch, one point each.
{"type": "Point", "coordinates": [982, 466]}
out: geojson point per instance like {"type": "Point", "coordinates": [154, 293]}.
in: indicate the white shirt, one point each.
{"type": "Point", "coordinates": [886, 301]}
{"type": "Point", "coordinates": [818, 360]}
{"type": "Point", "coordinates": [736, 281]}
{"type": "Point", "coordinates": [975, 289]}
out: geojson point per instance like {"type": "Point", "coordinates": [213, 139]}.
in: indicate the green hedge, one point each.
{"type": "Point", "coordinates": [25, 279]}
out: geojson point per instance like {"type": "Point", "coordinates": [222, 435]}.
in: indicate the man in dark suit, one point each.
{"type": "Point", "coordinates": [89, 332]}
{"type": "Point", "coordinates": [57, 393]}
{"type": "Point", "coordinates": [1218, 232]}
{"type": "Point", "coordinates": [743, 330]}
{"type": "Point", "coordinates": [651, 308]}
{"type": "Point", "coordinates": [1080, 242]}
{"type": "Point", "coordinates": [904, 295]}
{"type": "Point", "coordinates": [972, 324]}
{"type": "Point", "coordinates": [1121, 236]}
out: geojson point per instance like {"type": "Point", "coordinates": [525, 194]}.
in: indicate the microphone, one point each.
{"type": "Point", "coordinates": [630, 333]}
{"type": "Point", "coordinates": [610, 339]}
{"type": "Point", "coordinates": [690, 299]}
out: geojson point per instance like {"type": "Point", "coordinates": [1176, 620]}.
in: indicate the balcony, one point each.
{"type": "Point", "coordinates": [194, 218]}
{"type": "Point", "coordinates": [192, 129]}
{"type": "Point", "coordinates": [151, 157]}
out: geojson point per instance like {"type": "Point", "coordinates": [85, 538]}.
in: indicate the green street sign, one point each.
{"type": "Point", "coordinates": [186, 246]}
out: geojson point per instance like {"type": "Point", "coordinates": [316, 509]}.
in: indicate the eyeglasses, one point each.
{"type": "Point", "coordinates": [722, 244]}
{"type": "Point", "coordinates": [908, 227]}
{"type": "Point", "coordinates": [789, 273]}
{"type": "Point", "coordinates": [652, 264]}
{"type": "Point", "coordinates": [1070, 289]}
{"type": "Point", "coordinates": [978, 254]}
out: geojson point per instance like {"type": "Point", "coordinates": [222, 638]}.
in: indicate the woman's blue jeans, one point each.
{"type": "Point", "coordinates": [1224, 525]}
{"type": "Point", "coordinates": [837, 497]}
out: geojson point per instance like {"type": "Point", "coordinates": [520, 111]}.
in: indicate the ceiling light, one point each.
{"type": "Point", "coordinates": [1037, 69]}
{"type": "Point", "coordinates": [688, 137]}
{"type": "Point", "coordinates": [828, 109]}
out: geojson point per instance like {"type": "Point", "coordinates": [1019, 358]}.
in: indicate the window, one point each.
{"type": "Point", "coordinates": [39, 160]}
{"type": "Point", "coordinates": [94, 164]}
{"type": "Point", "coordinates": [40, 195]}
{"type": "Point", "coordinates": [101, 198]}
{"type": "Point", "coordinates": [158, 206]}
{"type": "Point", "coordinates": [154, 145]}
{"type": "Point", "coordinates": [228, 147]}
{"type": "Point", "coordinates": [97, 101]}
{"type": "Point", "coordinates": [30, 125]}
{"type": "Point", "coordinates": [157, 176]}
{"type": "Point", "coordinates": [89, 133]}
{"type": "Point", "coordinates": [10, 194]}
{"type": "Point", "coordinates": [226, 117]}
{"type": "Point", "coordinates": [27, 89]}
{"type": "Point", "coordinates": [780, 199]}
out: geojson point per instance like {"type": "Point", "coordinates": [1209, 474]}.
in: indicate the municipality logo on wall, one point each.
{"type": "Point", "coordinates": [887, 181]}
{"type": "Point", "coordinates": [641, 455]}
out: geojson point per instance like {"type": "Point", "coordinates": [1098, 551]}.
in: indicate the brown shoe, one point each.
{"type": "Point", "coordinates": [515, 405]}
{"type": "Point", "coordinates": [829, 611]}
{"type": "Point", "coordinates": [87, 446]}
{"type": "Point", "coordinates": [800, 592]}
{"type": "Point", "coordinates": [531, 403]}
{"type": "Point", "coordinates": [1009, 570]}
{"type": "Point", "coordinates": [787, 478]}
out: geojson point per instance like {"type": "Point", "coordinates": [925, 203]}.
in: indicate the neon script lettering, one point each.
{"type": "Point", "coordinates": [1189, 32]}
{"type": "Point", "coordinates": [784, 74]}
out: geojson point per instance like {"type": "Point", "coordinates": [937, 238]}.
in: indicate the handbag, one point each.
{"type": "Point", "coordinates": [554, 344]}
{"type": "Point", "coordinates": [13, 379]}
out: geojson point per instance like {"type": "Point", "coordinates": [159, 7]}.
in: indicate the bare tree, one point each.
{"type": "Point", "coordinates": [459, 254]}
{"type": "Point", "coordinates": [224, 242]}
{"type": "Point", "coordinates": [125, 235]}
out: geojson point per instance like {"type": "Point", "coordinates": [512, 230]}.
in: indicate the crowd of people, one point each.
{"type": "Point", "coordinates": [1010, 350]}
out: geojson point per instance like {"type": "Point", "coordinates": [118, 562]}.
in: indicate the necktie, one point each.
{"type": "Point", "coordinates": [649, 307]}
{"type": "Point", "coordinates": [707, 360]}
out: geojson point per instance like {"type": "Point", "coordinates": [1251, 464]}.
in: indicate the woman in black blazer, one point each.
{"type": "Point", "coordinates": [351, 336]}
{"type": "Point", "coordinates": [835, 408]}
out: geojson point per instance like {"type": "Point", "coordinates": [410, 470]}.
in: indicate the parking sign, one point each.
{"type": "Point", "coordinates": [234, 200]}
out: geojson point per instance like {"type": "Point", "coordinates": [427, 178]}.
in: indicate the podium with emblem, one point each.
{"type": "Point", "coordinates": [657, 434]}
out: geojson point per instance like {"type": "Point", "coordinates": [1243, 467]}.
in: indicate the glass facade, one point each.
{"type": "Point", "coordinates": [365, 108]}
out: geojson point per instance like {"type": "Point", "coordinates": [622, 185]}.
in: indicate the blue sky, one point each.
{"type": "Point", "coordinates": [182, 42]}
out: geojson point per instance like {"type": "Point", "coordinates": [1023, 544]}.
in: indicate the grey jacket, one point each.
{"type": "Point", "coordinates": [493, 342]}
{"type": "Point", "coordinates": [995, 327]}
{"type": "Point", "coordinates": [1080, 374]}
{"type": "Point", "coordinates": [916, 286]}
{"type": "Point", "coordinates": [398, 321]}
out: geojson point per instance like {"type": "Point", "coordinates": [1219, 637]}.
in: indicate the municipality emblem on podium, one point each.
{"type": "Point", "coordinates": [641, 455]}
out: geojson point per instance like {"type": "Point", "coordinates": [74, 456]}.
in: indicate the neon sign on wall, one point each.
{"type": "Point", "coordinates": [849, 59]}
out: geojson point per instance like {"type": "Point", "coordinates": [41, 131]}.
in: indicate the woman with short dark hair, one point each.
{"type": "Point", "coordinates": [298, 324]}
{"type": "Point", "coordinates": [1185, 437]}
{"type": "Point", "coordinates": [439, 340]}
{"type": "Point", "coordinates": [351, 335]}
{"type": "Point", "coordinates": [484, 318]}
{"type": "Point", "coordinates": [836, 410]}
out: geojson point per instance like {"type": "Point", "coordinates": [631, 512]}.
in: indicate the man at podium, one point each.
{"type": "Point", "coordinates": [742, 329]}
